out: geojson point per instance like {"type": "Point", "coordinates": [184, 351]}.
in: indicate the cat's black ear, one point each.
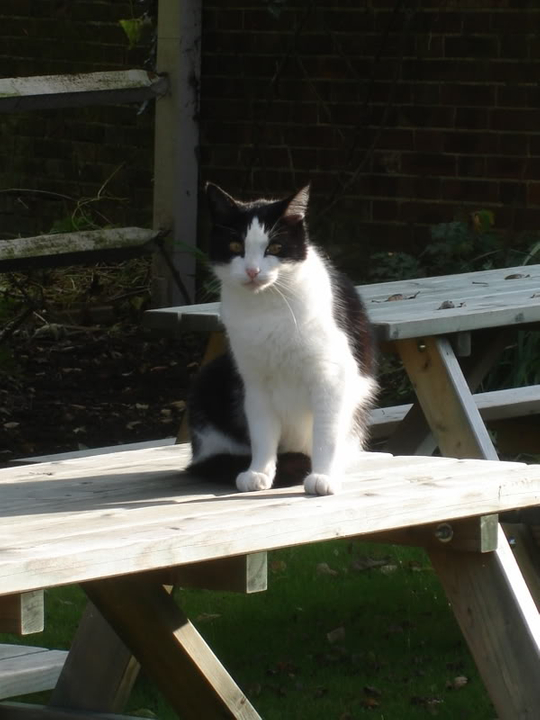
{"type": "Point", "coordinates": [220, 203]}
{"type": "Point", "coordinates": [297, 205]}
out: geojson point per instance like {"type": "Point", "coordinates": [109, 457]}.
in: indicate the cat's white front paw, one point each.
{"type": "Point", "coordinates": [318, 484]}
{"type": "Point", "coordinates": [250, 480]}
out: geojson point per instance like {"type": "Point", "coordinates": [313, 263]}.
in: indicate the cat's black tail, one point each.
{"type": "Point", "coordinates": [292, 468]}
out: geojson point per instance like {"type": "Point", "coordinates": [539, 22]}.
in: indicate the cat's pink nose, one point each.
{"type": "Point", "coordinates": [252, 272]}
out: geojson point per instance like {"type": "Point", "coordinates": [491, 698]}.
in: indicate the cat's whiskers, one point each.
{"type": "Point", "coordinates": [287, 303]}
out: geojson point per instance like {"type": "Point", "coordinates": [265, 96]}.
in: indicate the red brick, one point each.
{"type": "Point", "coordinates": [428, 164]}
{"type": "Point", "coordinates": [386, 210]}
{"type": "Point", "coordinates": [428, 140]}
{"type": "Point", "coordinates": [515, 119]}
{"type": "Point", "coordinates": [429, 116]}
{"type": "Point", "coordinates": [505, 167]}
{"type": "Point", "coordinates": [513, 193]}
{"type": "Point", "coordinates": [465, 190]}
{"type": "Point", "coordinates": [513, 144]}
{"type": "Point", "coordinates": [534, 144]}
{"type": "Point", "coordinates": [533, 193]}
{"type": "Point", "coordinates": [471, 46]}
{"type": "Point", "coordinates": [472, 118]}
{"type": "Point", "coordinates": [512, 96]}
{"type": "Point", "coordinates": [470, 142]}
{"type": "Point", "coordinates": [470, 95]}
{"type": "Point", "coordinates": [423, 212]}
{"type": "Point", "coordinates": [471, 166]}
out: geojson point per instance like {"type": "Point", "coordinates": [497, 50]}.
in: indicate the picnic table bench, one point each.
{"type": "Point", "coordinates": [127, 525]}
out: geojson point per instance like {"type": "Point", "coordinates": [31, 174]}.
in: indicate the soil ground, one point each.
{"type": "Point", "coordinates": [69, 383]}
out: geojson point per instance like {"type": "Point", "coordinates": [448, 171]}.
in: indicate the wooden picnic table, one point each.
{"type": "Point", "coordinates": [431, 323]}
{"type": "Point", "coordinates": [128, 525]}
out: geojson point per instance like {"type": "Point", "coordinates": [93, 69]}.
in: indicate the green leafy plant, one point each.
{"type": "Point", "coordinates": [459, 246]}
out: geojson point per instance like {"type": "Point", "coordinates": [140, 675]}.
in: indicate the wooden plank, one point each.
{"type": "Point", "coordinates": [470, 535]}
{"type": "Point", "coordinates": [24, 711]}
{"type": "Point", "coordinates": [176, 155]}
{"type": "Point", "coordinates": [493, 405]}
{"type": "Point", "coordinates": [242, 574]}
{"type": "Point", "coordinates": [170, 649]}
{"type": "Point", "coordinates": [106, 450]}
{"type": "Point", "coordinates": [99, 672]}
{"type": "Point", "coordinates": [82, 89]}
{"type": "Point", "coordinates": [130, 512]}
{"type": "Point", "coordinates": [489, 300]}
{"type": "Point", "coordinates": [500, 623]}
{"type": "Point", "coordinates": [391, 321]}
{"type": "Point", "coordinates": [63, 248]}
{"type": "Point", "coordinates": [525, 550]}
{"type": "Point", "coordinates": [25, 669]}
{"type": "Point", "coordinates": [22, 613]}
{"type": "Point", "coordinates": [476, 282]}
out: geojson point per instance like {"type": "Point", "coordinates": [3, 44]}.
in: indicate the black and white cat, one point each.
{"type": "Point", "coordinates": [293, 392]}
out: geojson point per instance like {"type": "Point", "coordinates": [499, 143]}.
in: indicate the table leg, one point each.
{"type": "Point", "coordinates": [500, 622]}
{"type": "Point", "coordinates": [413, 435]}
{"type": "Point", "coordinates": [217, 343]}
{"type": "Point", "coordinates": [170, 649]}
{"type": "Point", "coordinates": [99, 671]}
{"type": "Point", "coordinates": [446, 399]}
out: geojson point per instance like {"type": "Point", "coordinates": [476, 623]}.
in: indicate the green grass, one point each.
{"type": "Point", "coordinates": [330, 642]}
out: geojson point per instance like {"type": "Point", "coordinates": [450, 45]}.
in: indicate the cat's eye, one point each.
{"type": "Point", "coordinates": [273, 249]}
{"type": "Point", "coordinates": [236, 247]}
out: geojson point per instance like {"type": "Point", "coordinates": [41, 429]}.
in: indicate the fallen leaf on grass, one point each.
{"type": "Point", "coordinates": [457, 683]}
{"type": "Point", "coordinates": [325, 569]}
{"type": "Point", "coordinates": [430, 703]}
{"type": "Point", "coordinates": [336, 635]}
{"type": "Point", "coordinates": [370, 703]}
{"type": "Point", "coordinates": [278, 566]}
{"type": "Point", "coordinates": [206, 617]}
{"type": "Point", "coordinates": [368, 563]}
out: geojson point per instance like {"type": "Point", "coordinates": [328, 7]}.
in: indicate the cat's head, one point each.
{"type": "Point", "coordinates": [254, 245]}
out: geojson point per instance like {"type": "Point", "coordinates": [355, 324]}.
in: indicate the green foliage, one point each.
{"type": "Point", "coordinates": [459, 246]}
{"type": "Point", "coordinates": [133, 29]}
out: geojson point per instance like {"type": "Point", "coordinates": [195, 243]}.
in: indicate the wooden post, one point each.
{"type": "Point", "coordinates": [500, 623]}
{"type": "Point", "coordinates": [22, 613]}
{"type": "Point", "coordinates": [176, 146]}
{"type": "Point", "coordinates": [170, 649]}
{"type": "Point", "coordinates": [99, 671]}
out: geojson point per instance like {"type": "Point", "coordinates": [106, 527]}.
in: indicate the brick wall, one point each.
{"type": "Point", "coordinates": [402, 114]}
{"type": "Point", "coordinates": [71, 152]}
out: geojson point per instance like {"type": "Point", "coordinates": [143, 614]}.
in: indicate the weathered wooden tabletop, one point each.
{"type": "Point", "coordinates": [413, 308]}
{"type": "Point", "coordinates": [97, 517]}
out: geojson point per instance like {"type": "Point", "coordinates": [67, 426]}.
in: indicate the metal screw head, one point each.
{"type": "Point", "coordinates": [444, 532]}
